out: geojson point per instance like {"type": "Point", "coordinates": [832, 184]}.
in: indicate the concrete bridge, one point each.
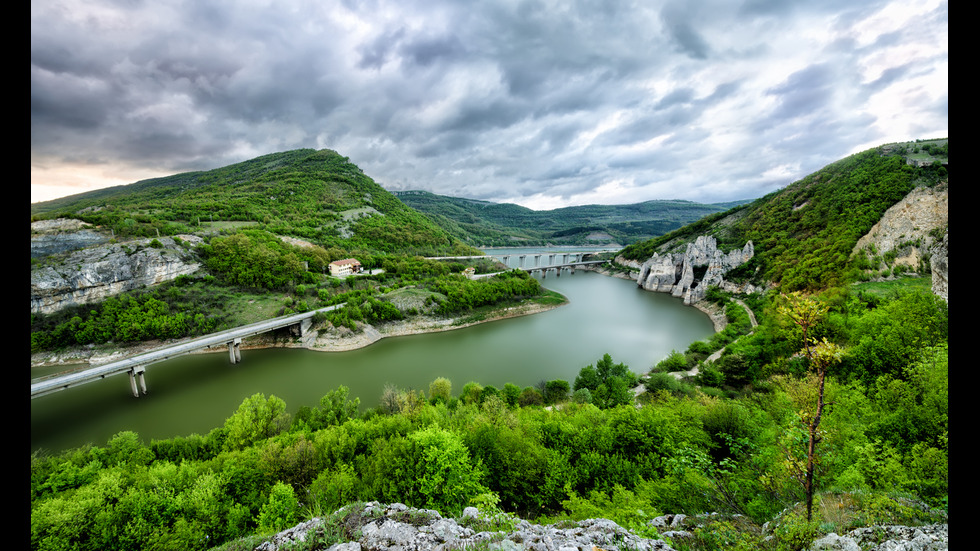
{"type": "Point", "coordinates": [554, 260]}
{"type": "Point", "coordinates": [136, 365]}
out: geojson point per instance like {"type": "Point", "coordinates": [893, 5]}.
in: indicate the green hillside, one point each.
{"type": "Point", "coordinates": [315, 195]}
{"type": "Point", "coordinates": [804, 233]}
{"type": "Point", "coordinates": [483, 223]}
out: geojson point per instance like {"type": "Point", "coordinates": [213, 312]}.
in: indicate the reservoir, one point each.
{"type": "Point", "coordinates": [193, 394]}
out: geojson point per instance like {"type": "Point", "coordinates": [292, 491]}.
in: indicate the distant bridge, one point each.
{"type": "Point", "coordinates": [136, 365]}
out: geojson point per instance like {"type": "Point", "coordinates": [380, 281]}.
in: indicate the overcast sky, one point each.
{"type": "Point", "coordinates": [541, 103]}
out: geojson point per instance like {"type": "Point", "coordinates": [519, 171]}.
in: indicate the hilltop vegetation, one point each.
{"type": "Point", "coordinates": [486, 224]}
{"type": "Point", "coordinates": [316, 195]}
{"type": "Point", "coordinates": [250, 215]}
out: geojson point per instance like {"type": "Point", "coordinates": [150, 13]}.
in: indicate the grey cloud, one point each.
{"type": "Point", "coordinates": [202, 84]}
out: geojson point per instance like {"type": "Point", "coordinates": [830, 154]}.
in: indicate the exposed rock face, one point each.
{"type": "Point", "coordinates": [887, 538]}
{"type": "Point", "coordinates": [909, 233]}
{"type": "Point", "coordinates": [675, 274]}
{"type": "Point", "coordinates": [57, 236]}
{"type": "Point", "coordinates": [94, 273]}
{"type": "Point", "coordinates": [398, 527]}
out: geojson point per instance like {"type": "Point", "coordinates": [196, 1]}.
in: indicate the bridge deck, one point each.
{"type": "Point", "coordinates": [61, 382]}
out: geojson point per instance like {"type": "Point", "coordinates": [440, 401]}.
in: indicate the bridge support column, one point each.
{"type": "Point", "coordinates": [299, 330]}
{"type": "Point", "coordinates": [137, 372]}
{"type": "Point", "coordinates": [521, 260]}
{"type": "Point", "coordinates": [537, 260]}
{"type": "Point", "coordinates": [235, 351]}
{"type": "Point", "coordinates": [506, 260]}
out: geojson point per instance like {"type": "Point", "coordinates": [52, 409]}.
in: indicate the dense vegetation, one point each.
{"type": "Point", "coordinates": [487, 224]}
{"type": "Point", "coordinates": [690, 449]}
{"type": "Point", "coordinates": [732, 439]}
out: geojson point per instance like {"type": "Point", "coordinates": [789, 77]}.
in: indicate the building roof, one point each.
{"type": "Point", "coordinates": [345, 262]}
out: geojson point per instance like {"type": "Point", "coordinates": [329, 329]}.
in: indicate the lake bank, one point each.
{"type": "Point", "coordinates": [320, 340]}
{"type": "Point", "coordinates": [196, 392]}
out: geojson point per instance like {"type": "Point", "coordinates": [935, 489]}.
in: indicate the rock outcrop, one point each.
{"type": "Point", "coordinates": [887, 538]}
{"type": "Point", "coordinates": [398, 527]}
{"type": "Point", "coordinates": [93, 273]}
{"type": "Point", "coordinates": [374, 527]}
{"type": "Point", "coordinates": [675, 273]}
{"type": "Point", "coordinates": [912, 236]}
{"type": "Point", "coordinates": [62, 235]}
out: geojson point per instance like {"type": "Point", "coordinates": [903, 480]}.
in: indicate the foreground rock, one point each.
{"type": "Point", "coordinates": [887, 538]}
{"type": "Point", "coordinates": [374, 526]}
{"type": "Point", "coordinates": [398, 527]}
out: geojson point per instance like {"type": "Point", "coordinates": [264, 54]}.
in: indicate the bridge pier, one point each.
{"type": "Point", "coordinates": [521, 260]}
{"type": "Point", "coordinates": [506, 260]}
{"type": "Point", "coordinates": [299, 330]}
{"type": "Point", "coordinates": [137, 372]}
{"type": "Point", "coordinates": [235, 351]}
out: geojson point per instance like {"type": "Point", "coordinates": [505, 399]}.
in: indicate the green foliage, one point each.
{"type": "Point", "coordinates": [608, 384]}
{"type": "Point", "coordinates": [281, 511]}
{"type": "Point", "coordinates": [447, 478]}
{"type": "Point", "coordinates": [675, 361]}
{"type": "Point", "coordinates": [257, 418]}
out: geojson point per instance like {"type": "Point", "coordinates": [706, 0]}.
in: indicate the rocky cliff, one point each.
{"type": "Point", "coordinates": [912, 236]}
{"type": "Point", "coordinates": [77, 265]}
{"type": "Point", "coordinates": [689, 274]}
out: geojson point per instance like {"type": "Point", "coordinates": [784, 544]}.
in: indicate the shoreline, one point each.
{"type": "Point", "coordinates": [319, 340]}
{"type": "Point", "coordinates": [343, 340]}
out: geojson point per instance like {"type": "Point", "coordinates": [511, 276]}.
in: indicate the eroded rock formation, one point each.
{"type": "Point", "coordinates": [676, 273]}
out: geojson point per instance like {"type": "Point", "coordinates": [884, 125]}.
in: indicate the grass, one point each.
{"type": "Point", "coordinates": [551, 298]}
{"type": "Point", "coordinates": [885, 288]}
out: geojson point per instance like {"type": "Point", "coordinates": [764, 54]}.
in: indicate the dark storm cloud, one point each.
{"type": "Point", "coordinates": [546, 102]}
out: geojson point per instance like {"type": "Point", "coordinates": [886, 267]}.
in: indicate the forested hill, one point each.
{"type": "Point", "coordinates": [316, 195]}
{"type": "Point", "coordinates": [484, 223]}
{"type": "Point", "coordinates": [804, 233]}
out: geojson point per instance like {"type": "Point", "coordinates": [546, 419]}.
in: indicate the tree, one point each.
{"type": "Point", "coordinates": [440, 389]}
{"type": "Point", "coordinates": [447, 477]}
{"type": "Point", "coordinates": [257, 418]}
{"type": "Point", "coordinates": [281, 511]}
{"type": "Point", "coordinates": [806, 313]}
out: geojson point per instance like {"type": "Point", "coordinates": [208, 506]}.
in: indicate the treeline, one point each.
{"type": "Point", "coordinates": [181, 309]}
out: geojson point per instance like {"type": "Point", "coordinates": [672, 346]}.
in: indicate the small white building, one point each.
{"type": "Point", "coordinates": [345, 267]}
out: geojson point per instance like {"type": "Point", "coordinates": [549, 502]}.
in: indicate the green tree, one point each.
{"type": "Point", "coordinates": [821, 355]}
{"type": "Point", "coordinates": [447, 477]}
{"type": "Point", "coordinates": [440, 389]}
{"type": "Point", "coordinates": [257, 418]}
{"type": "Point", "coordinates": [281, 511]}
